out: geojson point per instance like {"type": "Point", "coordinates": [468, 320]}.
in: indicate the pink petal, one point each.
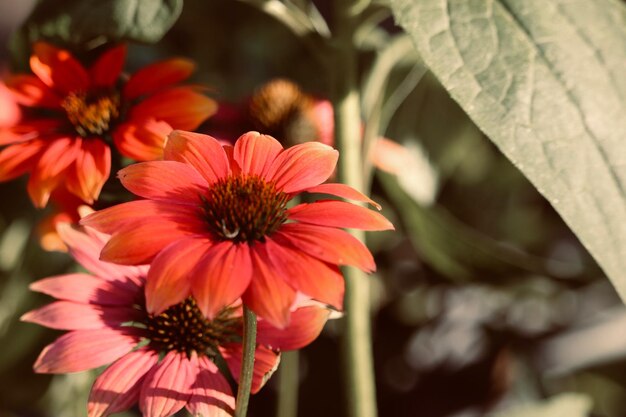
{"type": "Point", "coordinates": [30, 91]}
{"type": "Point", "coordinates": [343, 191]}
{"type": "Point", "coordinates": [157, 76]}
{"type": "Point", "coordinates": [339, 214]}
{"type": "Point", "coordinates": [331, 245]}
{"type": "Point", "coordinates": [211, 395]}
{"type": "Point", "coordinates": [86, 248]}
{"type": "Point", "coordinates": [169, 279]}
{"type": "Point", "coordinates": [87, 289]}
{"type": "Point", "coordinates": [303, 166]}
{"type": "Point", "coordinates": [58, 69]}
{"type": "Point", "coordinates": [268, 295]}
{"type": "Point", "coordinates": [167, 387]}
{"type": "Point", "coordinates": [107, 69]}
{"type": "Point", "coordinates": [221, 277]}
{"type": "Point", "coordinates": [265, 364]}
{"type": "Point", "coordinates": [68, 315]}
{"type": "Point", "coordinates": [80, 350]}
{"type": "Point", "coordinates": [91, 170]}
{"type": "Point", "coordinates": [305, 326]}
{"type": "Point", "coordinates": [255, 153]}
{"type": "Point", "coordinates": [164, 180]}
{"type": "Point", "coordinates": [202, 152]}
{"type": "Point", "coordinates": [117, 388]}
{"type": "Point", "coordinates": [306, 274]}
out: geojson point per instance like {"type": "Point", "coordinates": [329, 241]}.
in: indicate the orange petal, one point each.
{"type": "Point", "coordinates": [58, 69]}
{"type": "Point", "coordinates": [202, 152]}
{"type": "Point", "coordinates": [255, 153]}
{"type": "Point", "coordinates": [305, 325]}
{"type": "Point", "coordinates": [265, 364]}
{"type": "Point", "coordinates": [169, 279]}
{"type": "Point", "coordinates": [157, 76]}
{"type": "Point", "coordinates": [303, 166]}
{"type": "Point", "coordinates": [30, 91]}
{"type": "Point", "coordinates": [16, 160]}
{"type": "Point", "coordinates": [107, 69]}
{"type": "Point", "coordinates": [91, 170]}
{"type": "Point", "coordinates": [343, 191]}
{"type": "Point", "coordinates": [339, 214]}
{"type": "Point", "coordinates": [181, 107]}
{"type": "Point", "coordinates": [142, 140]}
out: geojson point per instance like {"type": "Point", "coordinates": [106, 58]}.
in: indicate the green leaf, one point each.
{"type": "Point", "coordinates": [563, 405]}
{"type": "Point", "coordinates": [545, 81]}
{"type": "Point", "coordinates": [93, 22]}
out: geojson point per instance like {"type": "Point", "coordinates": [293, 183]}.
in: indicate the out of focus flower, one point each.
{"type": "Point", "coordinates": [163, 361]}
{"type": "Point", "coordinates": [74, 112]}
{"type": "Point", "coordinates": [221, 215]}
{"type": "Point", "coordinates": [66, 208]}
{"type": "Point", "coordinates": [10, 112]}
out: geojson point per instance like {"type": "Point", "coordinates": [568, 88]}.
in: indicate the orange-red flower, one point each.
{"type": "Point", "coordinates": [75, 111]}
{"type": "Point", "coordinates": [164, 361]}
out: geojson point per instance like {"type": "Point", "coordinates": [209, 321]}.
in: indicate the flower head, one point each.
{"type": "Point", "coordinates": [221, 215]}
{"type": "Point", "coordinates": [162, 361]}
{"type": "Point", "coordinates": [73, 112]}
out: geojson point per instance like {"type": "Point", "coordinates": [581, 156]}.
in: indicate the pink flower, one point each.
{"type": "Point", "coordinates": [164, 361]}
{"type": "Point", "coordinates": [216, 225]}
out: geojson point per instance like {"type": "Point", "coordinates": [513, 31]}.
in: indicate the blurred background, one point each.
{"type": "Point", "coordinates": [483, 297]}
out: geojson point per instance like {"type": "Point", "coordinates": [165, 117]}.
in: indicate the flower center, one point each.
{"type": "Point", "coordinates": [244, 208]}
{"type": "Point", "coordinates": [183, 328]}
{"type": "Point", "coordinates": [91, 113]}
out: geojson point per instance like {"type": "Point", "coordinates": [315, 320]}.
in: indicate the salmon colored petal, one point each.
{"type": "Point", "coordinates": [16, 160]}
{"type": "Point", "coordinates": [11, 112]}
{"type": "Point", "coordinates": [181, 107]}
{"type": "Point", "coordinates": [169, 280]}
{"type": "Point", "coordinates": [91, 170]}
{"type": "Point", "coordinates": [144, 213]}
{"type": "Point", "coordinates": [165, 180]}
{"type": "Point", "coordinates": [84, 349]}
{"type": "Point", "coordinates": [339, 214]}
{"type": "Point", "coordinates": [167, 387]}
{"type": "Point", "coordinates": [265, 364]}
{"type": "Point", "coordinates": [58, 69]}
{"type": "Point", "coordinates": [331, 245]}
{"type": "Point", "coordinates": [303, 166]}
{"type": "Point", "coordinates": [255, 153]}
{"type": "Point", "coordinates": [51, 167]}
{"type": "Point", "coordinates": [157, 76]}
{"type": "Point", "coordinates": [305, 326]}
{"type": "Point", "coordinates": [30, 91]}
{"type": "Point", "coordinates": [117, 388]}
{"type": "Point", "coordinates": [202, 152]}
{"type": "Point", "coordinates": [230, 155]}
{"type": "Point", "coordinates": [268, 295]}
{"type": "Point", "coordinates": [142, 140]}
{"type": "Point", "coordinates": [88, 289]}
{"type": "Point", "coordinates": [68, 315]}
{"type": "Point", "coordinates": [136, 245]}
{"type": "Point", "coordinates": [315, 278]}
{"type": "Point", "coordinates": [343, 191]}
{"type": "Point", "coordinates": [107, 69]}
{"type": "Point", "coordinates": [211, 395]}
{"type": "Point", "coordinates": [85, 249]}
{"type": "Point", "coordinates": [221, 277]}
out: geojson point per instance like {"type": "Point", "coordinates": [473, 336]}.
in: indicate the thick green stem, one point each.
{"type": "Point", "coordinates": [247, 362]}
{"type": "Point", "coordinates": [288, 384]}
{"type": "Point", "coordinates": [357, 354]}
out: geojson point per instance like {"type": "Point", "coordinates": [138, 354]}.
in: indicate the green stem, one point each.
{"type": "Point", "coordinates": [247, 362]}
{"type": "Point", "coordinates": [288, 384]}
{"type": "Point", "coordinates": [357, 354]}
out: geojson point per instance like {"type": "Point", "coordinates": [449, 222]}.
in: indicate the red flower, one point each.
{"type": "Point", "coordinates": [79, 109]}
{"type": "Point", "coordinates": [107, 322]}
{"type": "Point", "coordinates": [221, 215]}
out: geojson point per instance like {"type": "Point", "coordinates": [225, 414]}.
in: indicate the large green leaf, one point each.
{"type": "Point", "coordinates": [546, 81]}
{"type": "Point", "coordinates": [98, 21]}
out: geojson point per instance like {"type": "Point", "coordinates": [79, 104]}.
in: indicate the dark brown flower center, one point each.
{"type": "Point", "coordinates": [244, 208]}
{"type": "Point", "coordinates": [92, 113]}
{"type": "Point", "coordinates": [183, 328]}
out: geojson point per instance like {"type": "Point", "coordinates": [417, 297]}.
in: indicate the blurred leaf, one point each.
{"type": "Point", "coordinates": [563, 405]}
{"type": "Point", "coordinates": [98, 21]}
{"type": "Point", "coordinates": [455, 249]}
{"type": "Point", "coordinates": [545, 81]}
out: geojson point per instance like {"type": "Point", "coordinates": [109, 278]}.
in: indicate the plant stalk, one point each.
{"type": "Point", "coordinates": [247, 362]}
{"type": "Point", "coordinates": [288, 384]}
{"type": "Point", "coordinates": [357, 354]}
